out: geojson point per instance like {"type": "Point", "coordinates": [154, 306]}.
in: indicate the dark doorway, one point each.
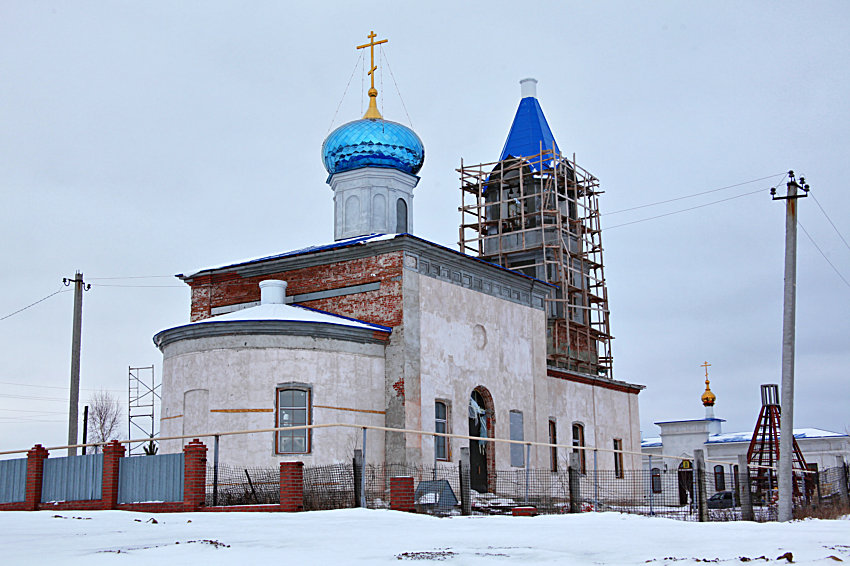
{"type": "Point", "coordinates": [686, 482]}
{"type": "Point", "coordinates": [480, 424]}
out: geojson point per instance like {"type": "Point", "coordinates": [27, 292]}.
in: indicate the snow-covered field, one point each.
{"type": "Point", "coordinates": [357, 536]}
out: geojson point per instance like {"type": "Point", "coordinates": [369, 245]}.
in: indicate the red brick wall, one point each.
{"type": "Point", "coordinates": [291, 486]}
{"type": "Point", "coordinates": [401, 494]}
{"type": "Point", "coordinates": [112, 454]}
{"type": "Point", "coordinates": [382, 306]}
{"type": "Point", "coordinates": [35, 474]}
{"type": "Point", "coordinates": [194, 475]}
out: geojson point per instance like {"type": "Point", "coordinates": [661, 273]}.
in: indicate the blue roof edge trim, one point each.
{"type": "Point", "coordinates": [354, 241]}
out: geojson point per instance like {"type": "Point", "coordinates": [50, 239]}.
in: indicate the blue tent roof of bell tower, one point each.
{"type": "Point", "coordinates": [529, 131]}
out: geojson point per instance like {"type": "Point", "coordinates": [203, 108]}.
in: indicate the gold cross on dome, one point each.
{"type": "Point", "coordinates": [372, 113]}
{"type": "Point", "coordinates": [705, 365]}
{"type": "Point", "coordinates": [371, 45]}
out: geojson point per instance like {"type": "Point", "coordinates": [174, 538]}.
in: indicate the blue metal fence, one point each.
{"type": "Point", "coordinates": [13, 480]}
{"type": "Point", "coordinates": [151, 478]}
{"type": "Point", "coordinates": [72, 478]}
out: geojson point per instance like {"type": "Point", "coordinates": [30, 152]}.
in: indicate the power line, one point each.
{"type": "Point", "coordinates": [132, 277]}
{"type": "Point", "coordinates": [697, 194]}
{"type": "Point", "coordinates": [58, 387]}
{"type": "Point", "coordinates": [817, 247]}
{"type": "Point", "coordinates": [683, 210]}
{"type": "Point", "coordinates": [830, 221]}
{"type": "Point", "coordinates": [140, 286]}
{"type": "Point", "coordinates": [35, 303]}
{"type": "Point", "coordinates": [33, 397]}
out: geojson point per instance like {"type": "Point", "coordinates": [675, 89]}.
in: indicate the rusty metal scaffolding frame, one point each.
{"type": "Point", "coordinates": [763, 452]}
{"type": "Point", "coordinates": [540, 216]}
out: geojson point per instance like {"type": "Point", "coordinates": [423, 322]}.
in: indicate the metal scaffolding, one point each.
{"type": "Point", "coordinates": [143, 394]}
{"type": "Point", "coordinates": [540, 216]}
{"type": "Point", "coordinates": [764, 446]}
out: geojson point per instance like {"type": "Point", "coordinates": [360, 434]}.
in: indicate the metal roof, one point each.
{"type": "Point", "coordinates": [530, 132]}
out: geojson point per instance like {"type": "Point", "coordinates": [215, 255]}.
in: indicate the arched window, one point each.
{"type": "Point", "coordinates": [400, 216]}
{"type": "Point", "coordinates": [656, 480]}
{"type": "Point", "coordinates": [441, 421]}
{"type": "Point", "coordinates": [578, 442]}
{"type": "Point", "coordinates": [719, 478]}
{"type": "Point", "coordinates": [293, 409]}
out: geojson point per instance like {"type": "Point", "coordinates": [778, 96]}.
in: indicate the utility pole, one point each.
{"type": "Point", "coordinates": [786, 399]}
{"type": "Point", "coordinates": [73, 408]}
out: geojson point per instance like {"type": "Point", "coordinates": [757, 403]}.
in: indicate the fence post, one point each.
{"type": "Point", "coordinates": [112, 454]}
{"type": "Point", "coordinates": [745, 497]}
{"type": "Point", "coordinates": [574, 475]}
{"type": "Point", "coordinates": [291, 486]}
{"type": "Point", "coordinates": [527, 469]}
{"type": "Point", "coordinates": [595, 482]}
{"type": "Point", "coordinates": [465, 496]}
{"type": "Point", "coordinates": [363, 472]}
{"type": "Point", "coordinates": [194, 475]}
{"type": "Point", "coordinates": [215, 471]}
{"type": "Point", "coordinates": [35, 474]}
{"type": "Point", "coordinates": [358, 477]}
{"type": "Point", "coordinates": [842, 481]}
{"type": "Point", "coordinates": [702, 504]}
{"type": "Point", "coordinates": [651, 487]}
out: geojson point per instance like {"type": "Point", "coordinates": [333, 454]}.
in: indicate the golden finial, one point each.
{"type": "Point", "coordinates": [708, 398]}
{"type": "Point", "coordinates": [372, 112]}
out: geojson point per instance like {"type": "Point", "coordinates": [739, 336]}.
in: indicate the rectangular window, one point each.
{"type": "Point", "coordinates": [293, 409]}
{"type": "Point", "coordinates": [618, 458]}
{"type": "Point", "coordinates": [719, 478]}
{"type": "Point", "coordinates": [441, 443]}
{"type": "Point", "coordinates": [578, 442]}
{"type": "Point", "coordinates": [553, 450]}
{"type": "Point", "coordinates": [656, 480]}
{"type": "Point", "coordinates": [517, 455]}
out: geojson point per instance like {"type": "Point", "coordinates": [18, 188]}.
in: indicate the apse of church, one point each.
{"type": "Point", "coordinates": [383, 328]}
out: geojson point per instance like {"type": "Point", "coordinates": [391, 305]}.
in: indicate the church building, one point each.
{"type": "Point", "coordinates": [507, 337]}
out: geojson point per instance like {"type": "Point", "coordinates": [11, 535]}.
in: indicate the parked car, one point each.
{"type": "Point", "coordinates": [722, 500]}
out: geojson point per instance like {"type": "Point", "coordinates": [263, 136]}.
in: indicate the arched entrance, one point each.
{"type": "Point", "coordinates": [686, 482]}
{"type": "Point", "coordinates": [482, 459]}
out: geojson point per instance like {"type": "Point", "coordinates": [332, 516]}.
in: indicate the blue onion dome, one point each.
{"type": "Point", "coordinates": [373, 143]}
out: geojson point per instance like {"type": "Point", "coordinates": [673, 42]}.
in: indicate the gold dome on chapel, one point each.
{"type": "Point", "coordinates": [708, 398]}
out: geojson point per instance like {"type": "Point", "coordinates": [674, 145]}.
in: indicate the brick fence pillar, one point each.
{"type": "Point", "coordinates": [401, 494]}
{"type": "Point", "coordinates": [35, 474]}
{"type": "Point", "coordinates": [194, 475]}
{"type": "Point", "coordinates": [112, 454]}
{"type": "Point", "coordinates": [291, 486]}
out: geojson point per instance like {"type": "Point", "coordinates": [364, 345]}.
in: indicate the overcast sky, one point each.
{"type": "Point", "coordinates": [155, 138]}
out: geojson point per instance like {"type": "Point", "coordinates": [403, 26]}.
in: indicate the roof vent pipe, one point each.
{"type": "Point", "coordinates": [528, 88]}
{"type": "Point", "coordinates": [272, 292]}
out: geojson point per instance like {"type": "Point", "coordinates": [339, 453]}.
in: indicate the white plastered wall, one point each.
{"type": "Point", "coordinates": [471, 339]}
{"type": "Point", "coordinates": [241, 374]}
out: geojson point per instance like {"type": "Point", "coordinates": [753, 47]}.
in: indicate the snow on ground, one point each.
{"type": "Point", "coordinates": [358, 536]}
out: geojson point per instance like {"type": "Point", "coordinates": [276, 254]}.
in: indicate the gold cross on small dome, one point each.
{"type": "Point", "coordinates": [372, 112]}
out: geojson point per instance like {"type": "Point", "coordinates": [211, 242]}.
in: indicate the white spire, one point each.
{"type": "Point", "coordinates": [528, 88]}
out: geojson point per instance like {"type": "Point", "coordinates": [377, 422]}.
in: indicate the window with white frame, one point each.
{"type": "Point", "coordinates": [441, 424]}
{"type": "Point", "coordinates": [293, 409]}
{"type": "Point", "coordinates": [517, 456]}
